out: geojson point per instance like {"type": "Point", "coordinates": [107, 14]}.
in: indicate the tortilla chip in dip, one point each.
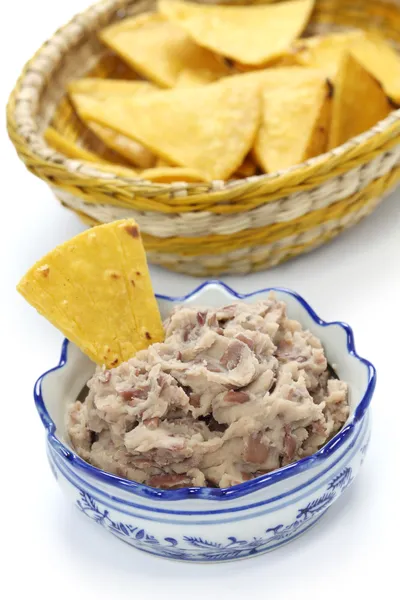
{"type": "Point", "coordinates": [251, 35]}
{"type": "Point", "coordinates": [295, 122]}
{"type": "Point", "coordinates": [359, 102]}
{"type": "Point", "coordinates": [209, 129]}
{"type": "Point", "coordinates": [160, 50]}
{"type": "Point", "coordinates": [96, 289]}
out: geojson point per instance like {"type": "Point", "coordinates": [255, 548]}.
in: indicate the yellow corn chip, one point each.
{"type": "Point", "coordinates": [119, 171]}
{"type": "Point", "coordinates": [359, 102]}
{"type": "Point", "coordinates": [136, 153]}
{"type": "Point", "coordinates": [190, 79]}
{"type": "Point", "coordinates": [63, 145]}
{"type": "Point", "coordinates": [325, 51]}
{"type": "Point", "coordinates": [160, 162]}
{"type": "Point", "coordinates": [67, 124]}
{"type": "Point", "coordinates": [168, 174]}
{"type": "Point", "coordinates": [209, 129]}
{"type": "Point", "coordinates": [381, 60]}
{"type": "Point", "coordinates": [161, 51]}
{"type": "Point", "coordinates": [103, 88]}
{"type": "Point", "coordinates": [165, 172]}
{"type": "Point", "coordinates": [294, 125]}
{"type": "Point", "coordinates": [251, 35]}
{"type": "Point", "coordinates": [277, 76]}
{"type": "Point", "coordinates": [288, 60]}
{"type": "Point", "coordinates": [96, 289]}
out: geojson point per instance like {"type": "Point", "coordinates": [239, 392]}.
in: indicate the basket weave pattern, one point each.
{"type": "Point", "coordinates": [206, 228]}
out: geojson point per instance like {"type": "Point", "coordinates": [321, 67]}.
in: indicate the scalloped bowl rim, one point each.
{"type": "Point", "coordinates": [205, 493]}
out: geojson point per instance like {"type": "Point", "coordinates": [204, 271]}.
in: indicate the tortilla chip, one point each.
{"type": "Point", "coordinates": [325, 51]}
{"type": "Point", "coordinates": [67, 123]}
{"type": "Point", "coordinates": [160, 162]}
{"type": "Point", "coordinates": [169, 174]}
{"type": "Point", "coordinates": [161, 51]}
{"type": "Point", "coordinates": [190, 79]}
{"type": "Point", "coordinates": [209, 129]}
{"type": "Point", "coordinates": [288, 60]}
{"type": "Point", "coordinates": [359, 102]}
{"type": "Point", "coordinates": [277, 76]}
{"type": "Point", "coordinates": [63, 145]}
{"type": "Point", "coordinates": [251, 35]}
{"type": "Point", "coordinates": [103, 88]}
{"type": "Point", "coordinates": [134, 152]}
{"type": "Point", "coordinates": [96, 289]}
{"type": "Point", "coordinates": [379, 58]}
{"type": "Point", "coordinates": [295, 120]}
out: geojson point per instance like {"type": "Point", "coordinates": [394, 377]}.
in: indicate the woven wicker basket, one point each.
{"type": "Point", "coordinates": [219, 227]}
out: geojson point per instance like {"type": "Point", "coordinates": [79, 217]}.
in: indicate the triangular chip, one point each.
{"type": "Point", "coordinates": [191, 79]}
{"type": "Point", "coordinates": [72, 150]}
{"type": "Point", "coordinates": [136, 153]}
{"type": "Point", "coordinates": [168, 174]}
{"type": "Point", "coordinates": [274, 77]}
{"type": "Point", "coordinates": [103, 88]}
{"type": "Point", "coordinates": [67, 123]}
{"type": "Point", "coordinates": [251, 35]}
{"type": "Point", "coordinates": [63, 145]}
{"type": "Point", "coordinates": [325, 51]}
{"type": "Point", "coordinates": [381, 60]}
{"type": "Point", "coordinates": [294, 125]}
{"type": "Point", "coordinates": [359, 102]}
{"type": "Point", "coordinates": [287, 60]}
{"type": "Point", "coordinates": [209, 129]}
{"type": "Point", "coordinates": [161, 51]}
{"type": "Point", "coordinates": [160, 162]}
{"type": "Point", "coordinates": [96, 289]}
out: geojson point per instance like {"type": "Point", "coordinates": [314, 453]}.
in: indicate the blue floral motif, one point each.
{"type": "Point", "coordinates": [90, 508]}
{"type": "Point", "coordinates": [342, 480]}
{"type": "Point", "coordinates": [197, 548]}
{"type": "Point", "coordinates": [316, 506]}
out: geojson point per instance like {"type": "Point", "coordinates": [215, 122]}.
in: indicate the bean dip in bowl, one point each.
{"type": "Point", "coordinates": [229, 439]}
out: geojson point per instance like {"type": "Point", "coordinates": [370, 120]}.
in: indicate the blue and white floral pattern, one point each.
{"type": "Point", "coordinates": [198, 549]}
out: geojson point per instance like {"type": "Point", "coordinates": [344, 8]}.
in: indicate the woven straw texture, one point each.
{"type": "Point", "coordinates": [206, 228]}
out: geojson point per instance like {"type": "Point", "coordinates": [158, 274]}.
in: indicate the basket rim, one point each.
{"type": "Point", "coordinates": [26, 137]}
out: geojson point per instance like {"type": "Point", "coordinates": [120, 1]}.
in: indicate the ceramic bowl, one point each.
{"type": "Point", "coordinates": [207, 524]}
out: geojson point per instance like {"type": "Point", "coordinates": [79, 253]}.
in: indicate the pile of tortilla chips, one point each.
{"type": "Point", "coordinates": [225, 92]}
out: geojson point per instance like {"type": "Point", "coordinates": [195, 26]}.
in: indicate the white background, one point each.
{"type": "Point", "coordinates": [50, 549]}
